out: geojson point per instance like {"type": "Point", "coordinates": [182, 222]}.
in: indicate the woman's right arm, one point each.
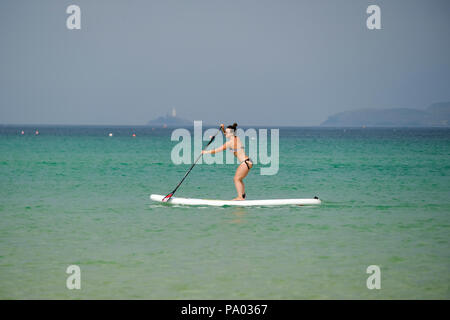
{"type": "Point", "coordinates": [219, 149]}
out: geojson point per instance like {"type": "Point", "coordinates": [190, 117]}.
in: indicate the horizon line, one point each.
{"type": "Point", "coordinates": [140, 125]}
{"type": "Point", "coordinates": [209, 125]}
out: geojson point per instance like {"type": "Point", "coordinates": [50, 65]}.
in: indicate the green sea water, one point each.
{"type": "Point", "coordinates": [74, 196]}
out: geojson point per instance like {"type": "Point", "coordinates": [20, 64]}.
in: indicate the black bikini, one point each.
{"type": "Point", "coordinates": [248, 159]}
{"type": "Point", "coordinates": [246, 162]}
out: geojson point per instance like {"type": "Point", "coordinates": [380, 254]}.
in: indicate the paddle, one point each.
{"type": "Point", "coordinates": [167, 198]}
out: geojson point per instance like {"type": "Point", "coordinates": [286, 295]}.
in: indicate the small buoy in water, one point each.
{"type": "Point", "coordinates": [23, 132]}
{"type": "Point", "coordinates": [134, 134]}
{"type": "Point", "coordinates": [37, 132]}
{"type": "Point", "coordinates": [110, 134]}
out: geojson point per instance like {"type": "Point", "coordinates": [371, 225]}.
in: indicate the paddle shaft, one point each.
{"type": "Point", "coordinates": [166, 198]}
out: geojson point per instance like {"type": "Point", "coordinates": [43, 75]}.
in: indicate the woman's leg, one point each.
{"type": "Point", "coordinates": [241, 172]}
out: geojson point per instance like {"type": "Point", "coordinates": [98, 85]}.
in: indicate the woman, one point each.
{"type": "Point", "coordinates": [235, 145]}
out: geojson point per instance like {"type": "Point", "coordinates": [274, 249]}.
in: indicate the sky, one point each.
{"type": "Point", "coordinates": [254, 62]}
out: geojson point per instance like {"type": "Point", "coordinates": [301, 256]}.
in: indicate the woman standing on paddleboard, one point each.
{"type": "Point", "coordinates": [235, 145]}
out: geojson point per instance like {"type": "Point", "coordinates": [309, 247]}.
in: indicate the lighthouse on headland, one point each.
{"type": "Point", "coordinates": [170, 120]}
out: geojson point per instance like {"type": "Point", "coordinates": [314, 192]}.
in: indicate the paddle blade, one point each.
{"type": "Point", "coordinates": [167, 198]}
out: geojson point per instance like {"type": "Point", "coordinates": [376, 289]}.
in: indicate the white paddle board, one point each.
{"type": "Point", "coordinates": [221, 203]}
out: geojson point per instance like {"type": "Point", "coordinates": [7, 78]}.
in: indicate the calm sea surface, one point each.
{"type": "Point", "coordinates": [75, 196]}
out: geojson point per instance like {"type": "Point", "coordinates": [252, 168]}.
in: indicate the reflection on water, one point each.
{"type": "Point", "coordinates": [238, 215]}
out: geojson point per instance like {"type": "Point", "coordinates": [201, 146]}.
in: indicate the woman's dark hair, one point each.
{"type": "Point", "coordinates": [234, 126]}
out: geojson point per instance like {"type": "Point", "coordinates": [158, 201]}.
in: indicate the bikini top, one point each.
{"type": "Point", "coordinates": [236, 150]}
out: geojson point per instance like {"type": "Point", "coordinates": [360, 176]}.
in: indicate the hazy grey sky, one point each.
{"type": "Point", "coordinates": [258, 62]}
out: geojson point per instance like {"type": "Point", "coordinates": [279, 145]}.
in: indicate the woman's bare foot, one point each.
{"type": "Point", "coordinates": [239, 198]}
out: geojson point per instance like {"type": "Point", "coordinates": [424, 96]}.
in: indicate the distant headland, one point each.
{"type": "Point", "coordinates": [170, 120]}
{"type": "Point", "coordinates": [436, 115]}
